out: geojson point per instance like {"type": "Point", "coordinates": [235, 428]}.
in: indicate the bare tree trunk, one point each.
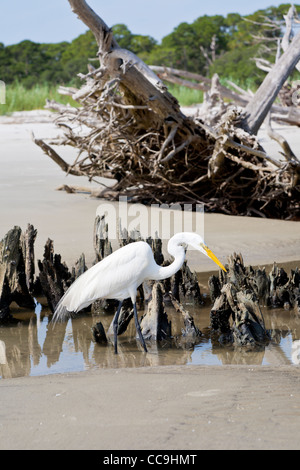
{"type": "Point", "coordinates": [287, 114]}
{"type": "Point", "coordinates": [139, 84]}
{"type": "Point", "coordinates": [258, 108]}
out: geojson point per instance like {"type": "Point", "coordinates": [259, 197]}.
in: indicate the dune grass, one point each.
{"type": "Point", "coordinates": [185, 96]}
{"type": "Point", "coordinates": [19, 98]}
{"type": "Point", "coordinates": [188, 96]}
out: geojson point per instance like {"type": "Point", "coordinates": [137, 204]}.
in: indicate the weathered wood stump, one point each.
{"type": "Point", "coordinates": [284, 290]}
{"type": "Point", "coordinates": [54, 276]}
{"type": "Point", "coordinates": [190, 334]}
{"type": "Point", "coordinates": [155, 325]}
{"type": "Point", "coordinates": [238, 294]}
{"type": "Point", "coordinates": [16, 270]}
{"type": "Point", "coordinates": [99, 333]}
{"type": "Point", "coordinates": [102, 245]}
{"type": "Point", "coordinates": [184, 285]}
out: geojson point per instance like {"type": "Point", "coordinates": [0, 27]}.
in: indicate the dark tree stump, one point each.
{"type": "Point", "coordinates": [190, 333]}
{"type": "Point", "coordinates": [28, 254]}
{"type": "Point", "coordinates": [99, 333]}
{"type": "Point", "coordinates": [16, 270]}
{"type": "Point", "coordinates": [154, 324]}
{"type": "Point", "coordinates": [237, 296]}
{"type": "Point", "coordinates": [125, 316]}
{"type": "Point", "coordinates": [236, 312]}
{"type": "Point", "coordinates": [54, 276]}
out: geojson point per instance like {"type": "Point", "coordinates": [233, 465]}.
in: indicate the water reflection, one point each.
{"type": "Point", "coordinates": [32, 346]}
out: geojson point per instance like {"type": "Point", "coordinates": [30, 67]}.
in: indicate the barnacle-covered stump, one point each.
{"type": "Point", "coordinates": [238, 295]}
{"type": "Point", "coordinates": [16, 270]}
{"type": "Point", "coordinates": [54, 275]}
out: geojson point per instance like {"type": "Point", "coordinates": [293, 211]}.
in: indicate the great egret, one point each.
{"type": "Point", "coordinates": [119, 275]}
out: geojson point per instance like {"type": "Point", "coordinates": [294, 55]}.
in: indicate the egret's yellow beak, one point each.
{"type": "Point", "coordinates": [212, 256]}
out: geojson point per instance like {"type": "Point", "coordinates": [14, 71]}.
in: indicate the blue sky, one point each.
{"type": "Point", "coordinates": [53, 21]}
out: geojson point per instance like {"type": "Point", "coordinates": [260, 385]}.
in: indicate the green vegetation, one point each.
{"type": "Point", "coordinates": [19, 98]}
{"type": "Point", "coordinates": [185, 96]}
{"type": "Point", "coordinates": [31, 71]}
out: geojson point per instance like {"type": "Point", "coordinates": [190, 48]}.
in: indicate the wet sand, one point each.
{"type": "Point", "coordinates": [28, 183]}
{"type": "Point", "coordinates": [228, 407]}
{"type": "Point", "coordinates": [169, 408]}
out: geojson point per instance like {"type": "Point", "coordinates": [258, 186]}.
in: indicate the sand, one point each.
{"type": "Point", "coordinates": [228, 407]}
{"type": "Point", "coordinates": [28, 183]}
{"type": "Point", "coordinates": [169, 408]}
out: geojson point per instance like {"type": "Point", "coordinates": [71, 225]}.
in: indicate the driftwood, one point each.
{"type": "Point", "coordinates": [258, 108]}
{"type": "Point", "coordinates": [275, 84]}
{"type": "Point", "coordinates": [237, 297]}
{"type": "Point", "coordinates": [54, 275]}
{"type": "Point", "coordinates": [134, 132]}
{"type": "Point", "coordinates": [287, 112]}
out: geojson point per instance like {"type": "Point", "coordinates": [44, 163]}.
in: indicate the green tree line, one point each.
{"type": "Point", "coordinates": [226, 45]}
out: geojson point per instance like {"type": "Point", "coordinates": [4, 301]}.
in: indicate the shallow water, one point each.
{"type": "Point", "coordinates": [34, 347]}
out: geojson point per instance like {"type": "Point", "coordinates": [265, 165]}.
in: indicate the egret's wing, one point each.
{"type": "Point", "coordinates": [113, 277]}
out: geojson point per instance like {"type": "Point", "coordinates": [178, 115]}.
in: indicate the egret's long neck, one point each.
{"type": "Point", "coordinates": [178, 252]}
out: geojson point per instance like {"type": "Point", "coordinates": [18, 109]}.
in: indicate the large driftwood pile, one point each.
{"type": "Point", "coordinates": [236, 297]}
{"type": "Point", "coordinates": [131, 129]}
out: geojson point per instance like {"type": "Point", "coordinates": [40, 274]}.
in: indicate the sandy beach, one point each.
{"type": "Point", "coordinates": [228, 407]}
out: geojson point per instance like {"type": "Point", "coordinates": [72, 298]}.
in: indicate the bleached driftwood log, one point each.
{"type": "Point", "coordinates": [239, 97]}
{"type": "Point", "coordinates": [258, 108]}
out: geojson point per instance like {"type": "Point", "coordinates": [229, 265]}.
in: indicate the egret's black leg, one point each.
{"type": "Point", "coordinates": [138, 328]}
{"type": "Point", "coordinates": [115, 325]}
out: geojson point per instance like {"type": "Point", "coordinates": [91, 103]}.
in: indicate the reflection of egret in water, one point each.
{"type": "Point", "coordinates": [3, 359]}
{"type": "Point", "coordinates": [296, 352]}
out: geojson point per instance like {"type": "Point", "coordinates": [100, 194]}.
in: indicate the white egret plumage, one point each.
{"type": "Point", "coordinates": [119, 275]}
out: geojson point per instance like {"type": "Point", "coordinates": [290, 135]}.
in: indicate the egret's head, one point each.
{"type": "Point", "coordinates": [196, 241]}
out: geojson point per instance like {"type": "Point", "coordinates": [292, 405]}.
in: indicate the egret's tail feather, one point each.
{"type": "Point", "coordinates": [61, 312]}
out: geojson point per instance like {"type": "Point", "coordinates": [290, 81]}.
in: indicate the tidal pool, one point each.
{"type": "Point", "coordinates": [32, 346]}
